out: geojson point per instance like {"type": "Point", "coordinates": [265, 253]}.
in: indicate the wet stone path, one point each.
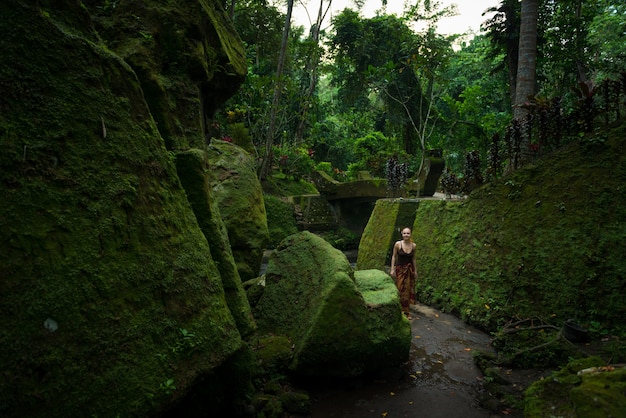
{"type": "Point", "coordinates": [439, 380]}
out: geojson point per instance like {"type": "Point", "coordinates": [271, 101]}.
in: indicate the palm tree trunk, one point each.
{"type": "Point", "coordinates": [526, 66]}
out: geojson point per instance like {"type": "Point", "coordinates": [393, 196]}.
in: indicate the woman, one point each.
{"type": "Point", "coordinates": [404, 271]}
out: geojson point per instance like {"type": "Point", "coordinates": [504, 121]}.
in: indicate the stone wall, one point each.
{"type": "Point", "coordinates": [383, 229]}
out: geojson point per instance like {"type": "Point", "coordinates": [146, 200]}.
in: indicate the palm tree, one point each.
{"type": "Point", "coordinates": [526, 66]}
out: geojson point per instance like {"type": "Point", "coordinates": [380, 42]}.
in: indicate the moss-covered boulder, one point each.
{"type": "Point", "coordinates": [586, 388]}
{"type": "Point", "coordinates": [192, 170]}
{"type": "Point", "coordinates": [281, 218]}
{"type": "Point", "coordinates": [382, 230]}
{"type": "Point", "coordinates": [239, 196]}
{"type": "Point", "coordinates": [112, 304]}
{"type": "Point", "coordinates": [187, 56]}
{"type": "Point", "coordinates": [341, 323]}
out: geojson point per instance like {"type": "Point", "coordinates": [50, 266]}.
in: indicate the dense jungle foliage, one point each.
{"type": "Point", "coordinates": [356, 92]}
{"type": "Point", "coordinates": [359, 93]}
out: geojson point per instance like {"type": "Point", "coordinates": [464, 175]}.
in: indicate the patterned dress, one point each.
{"type": "Point", "coordinates": [405, 279]}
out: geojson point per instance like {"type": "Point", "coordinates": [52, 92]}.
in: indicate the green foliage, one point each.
{"type": "Point", "coordinates": [381, 63]}
{"type": "Point", "coordinates": [605, 36]}
{"type": "Point", "coordinates": [324, 166]}
{"type": "Point", "coordinates": [284, 186]}
{"type": "Point", "coordinates": [186, 343]}
{"type": "Point", "coordinates": [342, 238]}
{"type": "Point", "coordinates": [474, 105]}
{"type": "Point", "coordinates": [168, 387]}
{"type": "Point", "coordinates": [372, 152]}
{"type": "Point", "coordinates": [332, 138]}
{"type": "Point", "coordinates": [293, 162]}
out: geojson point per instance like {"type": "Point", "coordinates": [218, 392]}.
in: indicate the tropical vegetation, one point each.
{"type": "Point", "coordinates": [355, 91]}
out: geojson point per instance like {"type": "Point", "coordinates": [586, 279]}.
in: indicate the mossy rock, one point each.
{"type": "Point", "coordinates": [340, 325]}
{"type": "Point", "coordinates": [187, 56]}
{"type": "Point", "coordinates": [254, 289]}
{"type": "Point", "coordinates": [582, 389]}
{"type": "Point", "coordinates": [296, 403]}
{"type": "Point", "coordinates": [112, 304]}
{"type": "Point", "coordinates": [281, 219]}
{"type": "Point", "coordinates": [239, 196]}
{"type": "Point", "coordinates": [192, 170]}
{"type": "Point", "coordinates": [273, 354]}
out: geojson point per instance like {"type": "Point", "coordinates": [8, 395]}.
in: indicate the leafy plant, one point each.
{"type": "Point", "coordinates": [186, 342]}
{"type": "Point", "coordinates": [168, 387]}
{"type": "Point", "coordinates": [296, 162]}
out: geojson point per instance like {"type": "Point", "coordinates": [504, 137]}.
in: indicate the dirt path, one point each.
{"type": "Point", "coordinates": [440, 379]}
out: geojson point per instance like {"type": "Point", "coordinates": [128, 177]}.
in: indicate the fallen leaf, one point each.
{"type": "Point", "coordinates": [467, 349]}
{"type": "Point", "coordinates": [384, 414]}
{"type": "Point", "coordinates": [392, 394]}
{"type": "Point", "coordinates": [411, 403]}
{"type": "Point", "coordinates": [417, 336]}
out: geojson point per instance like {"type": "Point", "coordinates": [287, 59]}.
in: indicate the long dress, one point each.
{"type": "Point", "coordinates": [405, 279]}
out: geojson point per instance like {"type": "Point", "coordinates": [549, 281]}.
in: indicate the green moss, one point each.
{"type": "Point", "coordinates": [281, 221]}
{"type": "Point", "coordinates": [296, 403]}
{"type": "Point", "coordinates": [191, 168]}
{"type": "Point", "coordinates": [544, 241]}
{"type": "Point", "coordinates": [237, 191]}
{"type": "Point", "coordinates": [601, 395]}
{"type": "Point", "coordinates": [568, 394]}
{"type": "Point", "coordinates": [97, 234]}
{"type": "Point", "coordinates": [283, 186]}
{"type": "Point", "coordinates": [337, 329]}
{"type": "Point", "coordinates": [273, 354]}
{"type": "Point", "coordinates": [174, 48]}
{"type": "Point", "coordinates": [377, 287]}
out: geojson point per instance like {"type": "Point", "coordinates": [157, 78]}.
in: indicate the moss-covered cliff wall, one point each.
{"type": "Point", "coordinates": [547, 241]}
{"type": "Point", "coordinates": [186, 54]}
{"type": "Point", "coordinates": [112, 303]}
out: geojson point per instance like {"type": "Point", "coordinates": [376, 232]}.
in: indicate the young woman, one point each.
{"type": "Point", "coordinates": [403, 270]}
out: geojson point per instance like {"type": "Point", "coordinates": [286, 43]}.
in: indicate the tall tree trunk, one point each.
{"type": "Point", "coordinates": [271, 130]}
{"type": "Point", "coordinates": [526, 67]}
{"type": "Point", "coordinates": [312, 65]}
